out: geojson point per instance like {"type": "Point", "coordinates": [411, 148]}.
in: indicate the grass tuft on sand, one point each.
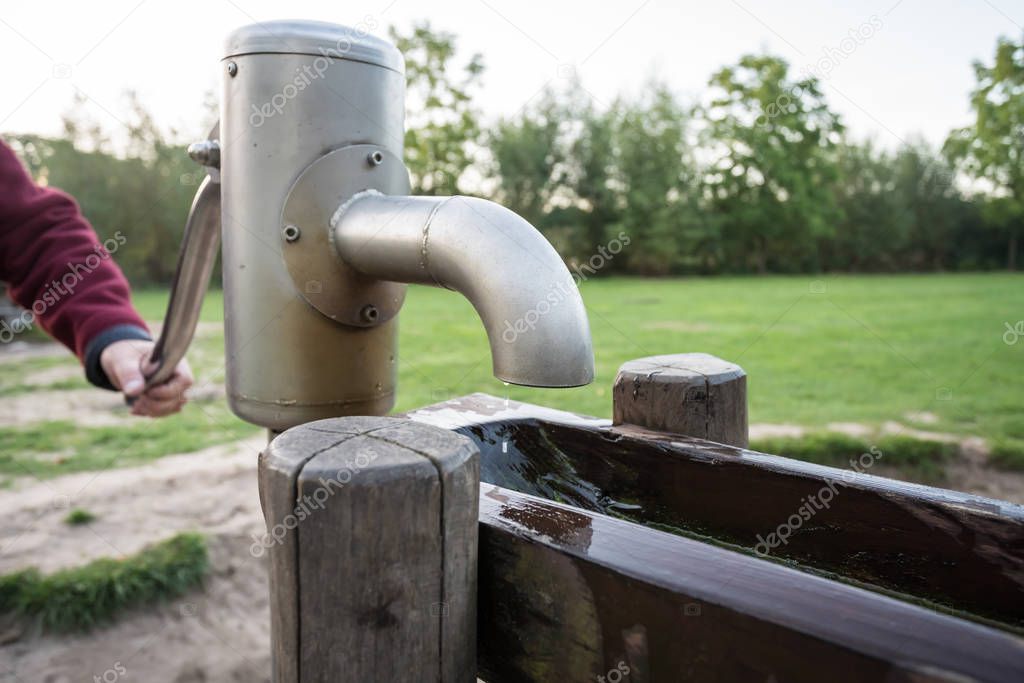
{"type": "Point", "coordinates": [79, 598]}
{"type": "Point", "coordinates": [78, 517]}
{"type": "Point", "coordinates": [923, 458]}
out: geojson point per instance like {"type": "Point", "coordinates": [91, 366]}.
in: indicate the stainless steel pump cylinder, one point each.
{"type": "Point", "coordinates": [292, 93]}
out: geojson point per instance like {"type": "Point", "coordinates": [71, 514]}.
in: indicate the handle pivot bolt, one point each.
{"type": "Point", "coordinates": [205, 153]}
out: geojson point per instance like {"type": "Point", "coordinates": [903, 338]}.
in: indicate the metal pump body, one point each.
{"type": "Point", "coordinates": [319, 237]}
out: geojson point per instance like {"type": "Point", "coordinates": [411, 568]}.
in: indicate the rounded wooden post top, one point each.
{"type": "Point", "coordinates": [695, 394]}
{"type": "Point", "coordinates": [702, 365]}
{"type": "Point", "coordinates": [372, 539]}
{"type": "Point", "coordinates": [309, 445]}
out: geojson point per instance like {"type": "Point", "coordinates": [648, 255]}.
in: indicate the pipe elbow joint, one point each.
{"type": "Point", "coordinates": [528, 301]}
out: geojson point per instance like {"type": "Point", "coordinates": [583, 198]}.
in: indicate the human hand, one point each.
{"type": "Point", "coordinates": [122, 362]}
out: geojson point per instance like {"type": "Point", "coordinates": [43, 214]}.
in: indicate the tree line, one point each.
{"type": "Point", "coordinates": [759, 176]}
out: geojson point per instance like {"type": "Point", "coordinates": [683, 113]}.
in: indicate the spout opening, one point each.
{"type": "Point", "coordinates": [543, 384]}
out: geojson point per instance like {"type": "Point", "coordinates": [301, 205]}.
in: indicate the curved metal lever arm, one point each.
{"type": "Point", "coordinates": [195, 264]}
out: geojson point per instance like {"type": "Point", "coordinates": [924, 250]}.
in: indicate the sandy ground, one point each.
{"type": "Point", "coordinates": [217, 633]}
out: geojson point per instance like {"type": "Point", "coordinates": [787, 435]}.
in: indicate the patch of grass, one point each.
{"type": "Point", "coordinates": [78, 517]}
{"type": "Point", "coordinates": [1008, 453]}
{"type": "Point", "coordinates": [30, 450]}
{"type": "Point", "coordinates": [922, 458]}
{"type": "Point", "coordinates": [152, 304]}
{"type": "Point", "coordinates": [824, 448]}
{"type": "Point", "coordinates": [925, 457]}
{"type": "Point", "coordinates": [13, 376]}
{"type": "Point", "coordinates": [61, 385]}
{"type": "Point", "coordinates": [816, 349]}
{"type": "Point", "coordinates": [79, 598]}
{"type": "Point", "coordinates": [850, 348]}
{"type": "Point", "coordinates": [867, 349]}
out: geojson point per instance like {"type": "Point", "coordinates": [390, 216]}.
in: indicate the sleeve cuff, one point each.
{"type": "Point", "coordinates": [91, 359]}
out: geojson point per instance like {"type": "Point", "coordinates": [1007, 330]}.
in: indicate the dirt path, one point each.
{"type": "Point", "coordinates": [217, 633]}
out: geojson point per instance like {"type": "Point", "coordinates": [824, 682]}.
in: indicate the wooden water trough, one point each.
{"type": "Point", "coordinates": [485, 537]}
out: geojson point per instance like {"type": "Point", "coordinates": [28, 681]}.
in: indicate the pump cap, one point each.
{"type": "Point", "coordinates": [317, 38]}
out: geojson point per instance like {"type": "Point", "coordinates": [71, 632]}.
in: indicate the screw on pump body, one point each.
{"type": "Point", "coordinates": [369, 314]}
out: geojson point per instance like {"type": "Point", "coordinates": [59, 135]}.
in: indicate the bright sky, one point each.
{"type": "Point", "coordinates": [909, 71]}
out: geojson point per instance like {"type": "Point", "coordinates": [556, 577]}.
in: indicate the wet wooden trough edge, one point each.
{"type": "Point", "coordinates": [958, 551]}
{"type": "Point", "coordinates": [565, 591]}
{"type": "Point", "coordinates": [568, 594]}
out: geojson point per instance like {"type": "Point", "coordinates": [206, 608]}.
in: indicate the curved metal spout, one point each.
{"type": "Point", "coordinates": [535, 320]}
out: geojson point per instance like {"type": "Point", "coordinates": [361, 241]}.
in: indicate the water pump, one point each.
{"type": "Point", "coordinates": [307, 187]}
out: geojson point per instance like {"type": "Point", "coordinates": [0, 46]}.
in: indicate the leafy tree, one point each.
{"type": "Point", "coordinates": [924, 185]}
{"type": "Point", "coordinates": [553, 163]}
{"type": "Point", "coordinates": [773, 174]}
{"type": "Point", "coordinates": [583, 175]}
{"type": "Point", "coordinates": [780, 191]}
{"type": "Point", "coordinates": [590, 169]}
{"type": "Point", "coordinates": [526, 154]}
{"type": "Point", "coordinates": [442, 123]}
{"type": "Point", "coordinates": [992, 148]}
{"type": "Point", "coordinates": [875, 224]}
{"type": "Point", "coordinates": [655, 177]}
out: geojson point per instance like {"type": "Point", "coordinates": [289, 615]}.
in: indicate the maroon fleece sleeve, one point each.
{"type": "Point", "coordinates": [57, 268]}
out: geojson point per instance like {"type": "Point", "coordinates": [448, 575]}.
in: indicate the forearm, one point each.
{"type": "Point", "coordinates": [59, 271]}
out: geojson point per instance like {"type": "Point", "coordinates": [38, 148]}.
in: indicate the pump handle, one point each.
{"type": "Point", "coordinates": [195, 264]}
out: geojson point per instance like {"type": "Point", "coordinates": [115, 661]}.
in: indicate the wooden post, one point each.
{"type": "Point", "coordinates": [695, 394]}
{"type": "Point", "coordinates": [372, 539]}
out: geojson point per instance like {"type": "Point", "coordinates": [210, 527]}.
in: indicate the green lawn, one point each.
{"type": "Point", "coordinates": [861, 349]}
{"type": "Point", "coordinates": [866, 349]}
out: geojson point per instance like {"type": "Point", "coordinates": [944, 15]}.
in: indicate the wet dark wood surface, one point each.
{"type": "Point", "coordinates": [572, 595]}
{"type": "Point", "coordinates": [957, 551]}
